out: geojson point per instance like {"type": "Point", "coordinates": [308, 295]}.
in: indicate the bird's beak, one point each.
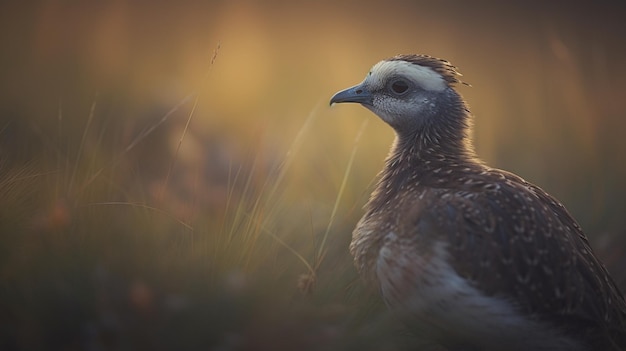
{"type": "Point", "coordinates": [357, 93]}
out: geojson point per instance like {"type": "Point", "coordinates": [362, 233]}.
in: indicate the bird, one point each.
{"type": "Point", "coordinates": [468, 256]}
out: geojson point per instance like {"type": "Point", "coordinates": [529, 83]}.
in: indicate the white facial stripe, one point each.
{"type": "Point", "coordinates": [423, 76]}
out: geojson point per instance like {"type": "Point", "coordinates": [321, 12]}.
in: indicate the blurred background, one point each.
{"type": "Point", "coordinates": [172, 177]}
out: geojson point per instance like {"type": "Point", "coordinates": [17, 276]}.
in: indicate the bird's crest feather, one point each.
{"type": "Point", "coordinates": [449, 72]}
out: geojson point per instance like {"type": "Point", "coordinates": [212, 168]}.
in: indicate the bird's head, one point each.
{"type": "Point", "coordinates": [407, 91]}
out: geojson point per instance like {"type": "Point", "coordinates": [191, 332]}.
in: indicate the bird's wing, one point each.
{"type": "Point", "coordinates": [514, 240]}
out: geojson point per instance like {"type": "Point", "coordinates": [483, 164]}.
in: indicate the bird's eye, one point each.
{"type": "Point", "coordinates": [399, 86]}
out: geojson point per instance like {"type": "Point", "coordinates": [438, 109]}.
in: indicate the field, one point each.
{"type": "Point", "coordinates": [172, 177]}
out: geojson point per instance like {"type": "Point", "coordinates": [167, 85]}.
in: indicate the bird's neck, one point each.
{"type": "Point", "coordinates": [442, 141]}
{"type": "Point", "coordinates": [441, 138]}
{"type": "Point", "coordinates": [421, 154]}
{"type": "Point", "coordinates": [421, 157]}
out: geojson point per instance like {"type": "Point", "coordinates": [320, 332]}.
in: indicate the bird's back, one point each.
{"type": "Point", "coordinates": [478, 255]}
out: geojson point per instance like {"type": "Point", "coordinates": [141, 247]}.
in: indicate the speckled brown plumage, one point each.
{"type": "Point", "coordinates": [470, 256]}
